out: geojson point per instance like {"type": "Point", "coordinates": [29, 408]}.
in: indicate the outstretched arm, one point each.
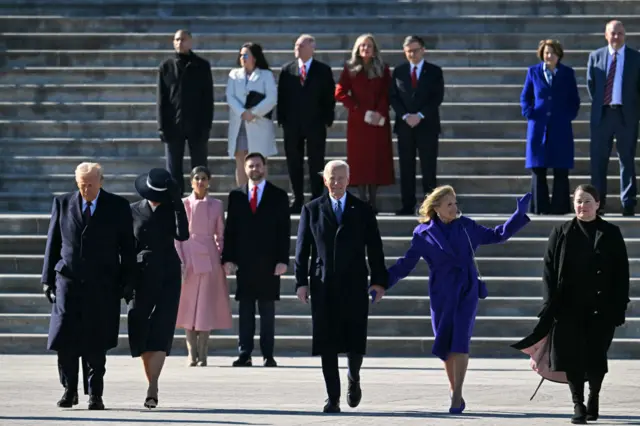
{"type": "Point", "coordinates": [406, 264]}
{"type": "Point", "coordinates": [481, 235]}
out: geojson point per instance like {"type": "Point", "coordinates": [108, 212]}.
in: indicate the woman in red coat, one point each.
{"type": "Point", "coordinates": [364, 90]}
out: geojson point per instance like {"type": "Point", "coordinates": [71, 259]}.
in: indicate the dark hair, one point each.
{"type": "Point", "coordinates": [554, 44]}
{"type": "Point", "coordinates": [257, 53]}
{"type": "Point", "coordinates": [589, 189]}
{"type": "Point", "coordinates": [413, 39]}
{"type": "Point", "coordinates": [200, 169]}
{"type": "Point", "coordinates": [251, 155]}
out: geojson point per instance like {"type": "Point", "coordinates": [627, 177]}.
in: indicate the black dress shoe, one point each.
{"type": "Point", "coordinates": [269, 362]}
{"type": "Point", "coordinates": [593, 408]}
{"type": "Point", "coordinates": [68, 400]}
{"type": "Point", "coordinates": [579, 415]}
{"type": "Point", "coordinates": [243, 361]}
{"type": "Point", "coordinates": [628, 211]}
{"type": "Point", "coordinates": [354, 393]}
{"type": "Point", "coordinates": [95, 403]}
{"type": "Point", "coordinates": [331, 407]}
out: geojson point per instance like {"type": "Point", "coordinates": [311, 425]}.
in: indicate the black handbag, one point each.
{"type": "Point", "coordinates": [253, 99]}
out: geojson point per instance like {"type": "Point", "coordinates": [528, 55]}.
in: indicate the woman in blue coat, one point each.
{"type": "Point", "coordinates": [550, 102]}
{"type": "Point", "coordinates": [447, 242]}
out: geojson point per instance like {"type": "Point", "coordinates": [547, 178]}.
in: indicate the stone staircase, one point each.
{"type": "Point", "coordinates": [78, 83]}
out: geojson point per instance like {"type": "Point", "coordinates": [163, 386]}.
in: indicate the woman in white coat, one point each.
{"type": "Point", "coordinates": [251, 129]}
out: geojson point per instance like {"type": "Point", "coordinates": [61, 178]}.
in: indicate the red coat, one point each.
{"type": "Point", "coordinates": [369, 150]}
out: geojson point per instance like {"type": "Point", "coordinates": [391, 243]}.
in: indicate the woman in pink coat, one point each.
{"type": "Point", "coordinates": [204, 300]}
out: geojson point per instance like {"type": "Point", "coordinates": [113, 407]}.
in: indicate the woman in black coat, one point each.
{"type": "Point", "coordinates": [586, 283]}
{"type": "Point", "coordinates": [158, 220]}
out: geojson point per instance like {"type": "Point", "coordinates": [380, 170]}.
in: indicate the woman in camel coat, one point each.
{"type": "Point", "coordinates": [204, 301]}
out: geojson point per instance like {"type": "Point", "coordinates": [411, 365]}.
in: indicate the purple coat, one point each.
{"type": "Point", "coordinates": [453, 279]}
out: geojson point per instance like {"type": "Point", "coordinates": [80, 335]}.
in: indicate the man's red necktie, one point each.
{"type": "Point", "coordinates": [303, 74]}
{"type": "Point", "coordinates": [608, 88]}
{"type": "Point", "coordinates": [414, 77]}
{"type": "Point", "coordinates": [254, 199]}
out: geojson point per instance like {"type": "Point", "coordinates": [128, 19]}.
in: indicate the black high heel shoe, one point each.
{"type": "Point", "coordinates": [151, 402]}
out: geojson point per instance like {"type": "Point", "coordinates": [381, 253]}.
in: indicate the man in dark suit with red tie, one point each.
{"type": "Point", "coordinates": [256, 246]}
{"type": "Point", "coordinates": [306, 107]}
{"type": "Point", "coordinates": [416, 93]}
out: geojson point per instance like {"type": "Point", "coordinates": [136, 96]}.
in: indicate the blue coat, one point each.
{"type": "Point", "coordinates": [550, 111]}
{"type": "Point", "coordinates": [453, 279]}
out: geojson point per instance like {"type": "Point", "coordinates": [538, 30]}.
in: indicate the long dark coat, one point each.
{"type": "Point", "coordinates": [89, 266]}
{"type": "Point", "coordinates": [256, 243]}
{"type": "Point", "coordinates": [586, 291]}
{"type": "Point", "coordinates": [338, 273]}
{"type": "Point", "coordinates": [154, 309]}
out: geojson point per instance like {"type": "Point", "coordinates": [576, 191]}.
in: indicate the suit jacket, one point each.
{"type": "Point", "coordinates": [256, 243]}
{"type": "Point", "coordinates": [185, 98]}
{"type": "Point", "coordinates": [307, 106]}
{"type": "Point", "coordinates": [550, 109]}
{"type": "Point", "coordinates": [88, 265]}
{"type": "Point", "coordinates": [332, 260]}
{"type": "Point", "coordinates": [260, 132]}
{"type": "Point", "coordinates": [426, 98]}
{"type": "Point", "coordinates": [597, 79]}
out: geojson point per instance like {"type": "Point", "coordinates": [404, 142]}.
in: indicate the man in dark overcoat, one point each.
{"type": "Point", "coordinates": [340, 234]}
{"type": "Point", "coordinates": [256, 246]}
{"type": "Point", "coordinates": [89, 265]}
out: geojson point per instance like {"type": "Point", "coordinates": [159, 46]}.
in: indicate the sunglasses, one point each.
{"type": "Point", "coordinates": [244, 56]}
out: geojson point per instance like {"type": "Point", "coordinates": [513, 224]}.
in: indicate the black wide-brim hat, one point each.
{"type": "Point", "coordinates": [153, 186]}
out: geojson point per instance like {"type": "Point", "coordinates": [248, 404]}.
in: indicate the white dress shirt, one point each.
{"type": "Point", "coordinates": [334, 202]}
{"type": "Point", "coordinates": [544, 71]}
{"type": "Point", "coordinates": [260, 190]}
{"type": "Point", "coordinates": [306, 64]}
{"type": "Point", "coordinates": [616, 94]}
{"type": "Point", "coordinates": [93, 204]}
{"type": "Point", "coordinates": [153, 207]}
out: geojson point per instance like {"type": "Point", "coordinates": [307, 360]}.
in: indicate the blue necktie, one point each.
{"type": "Point", "coordinates": [338, 212]}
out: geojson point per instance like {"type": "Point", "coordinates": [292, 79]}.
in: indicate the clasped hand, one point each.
{"type": "Point", "coordinates": [248, 116]}
{"type": "Point", "coordinates": [413, 120]}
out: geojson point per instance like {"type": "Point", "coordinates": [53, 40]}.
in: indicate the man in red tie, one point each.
{"type": "Point", "coordinates": [416, 92]}
{"type": "Point", "coordinates": [256, 247]}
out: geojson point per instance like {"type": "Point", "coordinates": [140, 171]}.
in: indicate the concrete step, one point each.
{"type": "Point", "coordinates": [228, 57]}
{"type": "Point", "coordinates": [411, 286]}
{"type": "Point", "coordinates": [116, 76]}
{"type": "Point", "coordinates": [62, 110]}
{"type": "Point", "coordinates": [342, 40]}
{"type": "Point", "coordinates": [300, 325]}
{"type": "Point", "coordinates": [13, 343]}
{"type": "Point", "coordinates": [21, 303]}
{"type": "Point", "coordinates": [273, 22]}
{"type": "Point", "coordinates": [490, 266]}
{"type": "Point", "coordinates": [324, 8]}
{"type": "Point", "coordinates": [447, 166]}
{"type": "Point", "coordinates": [465, 184]}
{"type": "Point", "coordinates": [144, 147]}
{"type": "Point", "coordinates": [391, 226]}
{"type": "Point", "coordinates": [393, 246]}
{"type": "Point", "coordinates": [465, 129]}
{"type": "Point", "coordinates": [137, 93]}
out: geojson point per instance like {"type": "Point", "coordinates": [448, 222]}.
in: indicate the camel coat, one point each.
{"type": "Point", "coordinates": [204, 301]}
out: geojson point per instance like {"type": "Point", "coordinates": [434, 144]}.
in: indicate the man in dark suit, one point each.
{"type": "Point", "coordinates": [256, 245]}
{"type": "Point", "coordinates": [89, 265]}
{"type": "Point", "coordinates": [613, 81]}
{"type": "Point", "coordinates": [416, 92]}
{"type": "Point", "coordinates": [184, 106]}
{"type": "Point", "coordinates": [306, 107]}
{"type": "Point", "coordinates": [340, 234]}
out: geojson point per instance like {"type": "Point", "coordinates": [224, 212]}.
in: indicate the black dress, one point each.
{"type": "Point", "coordinates": [153, 311]}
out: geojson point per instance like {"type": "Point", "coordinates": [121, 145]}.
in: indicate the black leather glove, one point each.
{"type": "Point", "coordinates": [174, 191]}
{"type": "Point", "coordinates": [49, 292]}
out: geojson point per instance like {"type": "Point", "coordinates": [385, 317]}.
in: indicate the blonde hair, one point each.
{"type": "Point", "coordinates": [427, 210]}
{"type": "Point", "coordinates": [356, 64]}
{"type": "Point", "coordinates": [86, 168]}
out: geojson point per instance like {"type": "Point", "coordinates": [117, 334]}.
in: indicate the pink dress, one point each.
{"type": "Point", "coordinates": [204, 300]}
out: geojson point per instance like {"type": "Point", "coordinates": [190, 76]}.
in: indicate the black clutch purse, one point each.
{"type": "Point", "coordinates": [253, 99]}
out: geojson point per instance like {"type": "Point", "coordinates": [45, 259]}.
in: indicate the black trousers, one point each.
{"type": "Point", "coordinates": [576, 381]}
{"type": "Point", "coordinates": [174, 151]}
{"type": "Point", "coordinates": [425, 142]}
{"type": "Point", "coordinates": [560, 197]}
{"type": "Point", "coordinates": [294, 143]}
{"type": "Point", "coordinates": [93, 368]}
{"type": "Point", "coordinates": [331, 372]}
{"type": "Point", "coordinates": [247, 320]}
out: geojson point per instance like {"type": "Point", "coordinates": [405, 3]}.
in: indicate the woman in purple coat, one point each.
{"type": "Point", "coordinates": [447, 242]}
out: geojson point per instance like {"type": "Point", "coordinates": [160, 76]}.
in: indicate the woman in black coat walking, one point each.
{"type": "Point", "coordinates": [586, 292]}
{"type": "Point", "coordinates": [158, 220]}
